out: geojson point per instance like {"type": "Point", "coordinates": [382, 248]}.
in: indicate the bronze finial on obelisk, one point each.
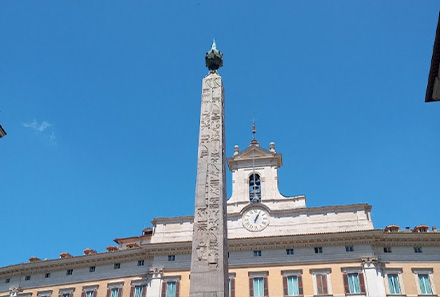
{"type": "Point", "coordinates": [209, 259]}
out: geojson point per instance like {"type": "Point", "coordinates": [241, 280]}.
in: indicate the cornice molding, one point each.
{"type": "Point", "coordinates": [375, 238]}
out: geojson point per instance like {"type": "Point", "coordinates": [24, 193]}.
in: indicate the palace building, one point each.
{"type": "Point", "coordinates": [277, 247]}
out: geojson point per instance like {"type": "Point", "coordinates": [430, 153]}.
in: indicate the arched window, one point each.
{"type": "Point", "coordinates": [254, 188]}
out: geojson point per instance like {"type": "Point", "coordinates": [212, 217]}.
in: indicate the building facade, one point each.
{"type": "Point", "coordinates": [277, 246]}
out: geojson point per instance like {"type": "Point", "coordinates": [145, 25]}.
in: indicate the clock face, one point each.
{"type": "Point", "coordinates": [255, 219]}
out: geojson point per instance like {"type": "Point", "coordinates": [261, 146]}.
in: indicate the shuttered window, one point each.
{"type": "Point", "coordinates": [292, 285]}
{"type": "Point", "coordinates": [258, 287]}
{"type": "Point", "coordinates": [114, 292]}
{"type": "Point", "coordinates": [137, 291]}
{"type": "Point", "coordinates": [354, 283]}
{"type": "Point", "coordinates": [232, 287]}
{"type": "Point", "coordinates": [425, 284]}
{"type": "Point", "coordinates": [170, 289]}
{"type": "Point", "coordinates": [321, 284]}
{"type": "Point", "coordinates": [393, 283]}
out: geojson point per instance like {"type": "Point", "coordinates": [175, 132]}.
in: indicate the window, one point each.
{"type": "Point", "coordinates": [137, 291]}
{"type": "Point", "coordinates": [90, 293]}
{"type": "Point", "coordinates": [47, 275]}
{"type": "Point", "coordinates": [231, 286]}
{"type": "Point", "coordinates": [387, 249]}
{"type": "Point", "coordinates": [7, 280]}
{"type": "Point", "coordinates": [349, 248]}
{"type": "Point", "coordinates": [321, 284]}
{"type": "Point", "coordinates": [254, 188]}
{"type": "Point", "coordinates": [141, 263]}
{"type": "Point", "coordinates": [45, 293]}
{"type": "Point", "coordinates": [354, 283]}
{"type": "Point", "coordinates": [321, 281]}
{"type": "Point", "coordinates": [258, 286]}
{"type": "Point", "coordinates": [92, 269]}
{"type": "Point", "coordinates": [292, 285]}
{"type": "Point", "coordinates": [289, 251]}
{"type": "Point", "coordinates": [418, 250]}
{"type": "Point", "coordinates": [114, 292]}
{"type": "Point", "coordinates": [67, 292]}
{"type": "Point", "coordinates": [69, 272]}
{"type": "Point", "coordinates": [27, 277]}
{"type": "Point", "coordinates": [170, 288]}
{"type": "Point", "coordinates": [257, 253]}
{"type": "Point", "coordinates": [171, 257]}
{"type": "Point", "coordinates": [425, 284]}
{"type": "Point", "coordinates": [117, 266]}
{"type": "Point", "coordinates": [318, 250]}
{"type": "Point", "coordinates": [393, 283]}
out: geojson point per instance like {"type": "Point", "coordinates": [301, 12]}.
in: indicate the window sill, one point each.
{"type": "Point", "coordinates": [396, 295]}
{"type": "Point", "coordinates": [427, 295]}
{"type": "Point", "coordinates": [323, 295]}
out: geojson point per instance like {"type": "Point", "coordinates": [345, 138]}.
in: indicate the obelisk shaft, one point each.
{"type": "Point", "coordinates": [209, 263]}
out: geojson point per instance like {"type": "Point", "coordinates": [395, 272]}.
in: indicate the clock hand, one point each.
{"type": "Point", "coordinates": [257, 217]}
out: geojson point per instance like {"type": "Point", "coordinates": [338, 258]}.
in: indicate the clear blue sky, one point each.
{"type": "Point", "coordinates": [101, 104]}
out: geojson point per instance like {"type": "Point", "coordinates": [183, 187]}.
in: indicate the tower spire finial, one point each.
{"type": "Point", "coordinates": [213, 47]}
{"type": "Point", "coordinates": [254, 132]}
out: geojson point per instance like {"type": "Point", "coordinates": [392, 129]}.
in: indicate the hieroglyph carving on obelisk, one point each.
{"type": "Point", "coordinates": [209, 263]}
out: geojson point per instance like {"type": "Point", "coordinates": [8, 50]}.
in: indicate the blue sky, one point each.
{"type": "Point", "coordinates": [101, 104]}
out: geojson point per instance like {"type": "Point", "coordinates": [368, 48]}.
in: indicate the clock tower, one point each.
{"type": "Point", "coordinates": [255, 182]}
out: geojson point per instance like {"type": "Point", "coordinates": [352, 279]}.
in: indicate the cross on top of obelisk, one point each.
{"type": "Point", "coordinates": [214, 58]}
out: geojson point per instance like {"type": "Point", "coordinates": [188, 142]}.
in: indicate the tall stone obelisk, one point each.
{"type": "Point", "coordinates": [209, 260]}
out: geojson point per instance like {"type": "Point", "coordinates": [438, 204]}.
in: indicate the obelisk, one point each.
{"type": "Point", "coordinates": [209, 259]}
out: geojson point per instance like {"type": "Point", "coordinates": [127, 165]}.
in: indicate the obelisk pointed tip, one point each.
{"type": "Point", "coordinates": [213, 46]}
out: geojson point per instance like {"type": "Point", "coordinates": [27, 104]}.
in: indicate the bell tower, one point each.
{"type": "Point", "coordinates": [255, 178]}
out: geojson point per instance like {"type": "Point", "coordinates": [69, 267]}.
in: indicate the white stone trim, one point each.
{"type": "Point", "coordinates": [254, 274]}
{"type": "Point", "coordinates": [139, 282]}
{"type": "Point", "coordinates": [115, 284]}
{"type": "Point", "coordinates": [45, 293]}
{"type": "Point", "coordinates": [292, 272]}
{"type": "Point", "coordinates": [89, 288]}
{"type": "Point", "coordinates": [172, 278]}
{"type": "Point", "coordinates": [66, 291]}
{"type": "Point", "coordinates": [355, 269]}
{"type": "Point", "coordinates": [428, 271]}
{"type": "Point", "coordinates": [397, 271]}
{"type": "Point", "coordinates": [327, 272]}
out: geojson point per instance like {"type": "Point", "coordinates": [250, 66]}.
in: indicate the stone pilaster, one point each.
{"type": "Point", "coordinates": [154, 287]}
{"type": "Point", "coordinates": [209, 263]}
{"type": "Point", "coordinates": [373, 277]}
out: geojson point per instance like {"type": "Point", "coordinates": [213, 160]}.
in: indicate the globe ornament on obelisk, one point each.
{"type": "Point", "coordinates": [209, 259]}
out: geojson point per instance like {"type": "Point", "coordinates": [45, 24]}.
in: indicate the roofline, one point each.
{"type": "Point", "coordinates": [366, 206]}
{"type": "Point", "coordinates": [375, 237]}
